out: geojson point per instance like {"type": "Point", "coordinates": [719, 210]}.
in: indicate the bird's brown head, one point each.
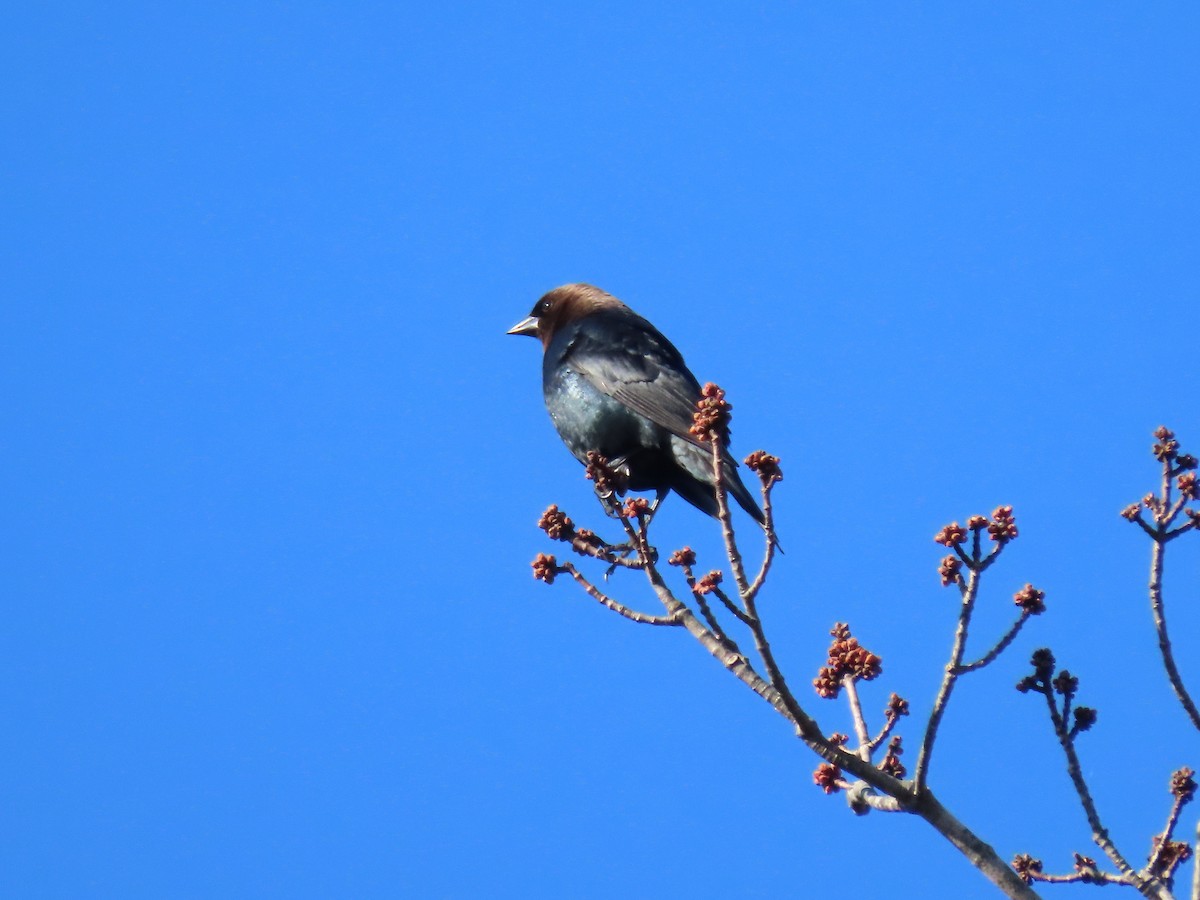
{"type": "Point", "coordinates": [562, 306]}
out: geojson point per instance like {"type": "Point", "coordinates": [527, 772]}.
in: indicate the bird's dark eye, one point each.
{"type": "Point", "coordinates": [543, 307]}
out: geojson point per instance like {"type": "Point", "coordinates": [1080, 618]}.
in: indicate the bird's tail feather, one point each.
{"type": "Point", "coordinates": [702, 495]}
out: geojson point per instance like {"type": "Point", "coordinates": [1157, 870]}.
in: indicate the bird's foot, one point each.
{"type": "Point", "coordinates": [624, 551]}
{"type": "Point", "coordinates": [611, 503]}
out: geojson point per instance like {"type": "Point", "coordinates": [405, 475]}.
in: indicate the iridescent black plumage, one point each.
{"type": "Point", "coordinates": [614, 384]}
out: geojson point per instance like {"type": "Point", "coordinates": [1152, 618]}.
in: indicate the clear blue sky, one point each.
{"type": "Point", "coordinates": [272, 466]}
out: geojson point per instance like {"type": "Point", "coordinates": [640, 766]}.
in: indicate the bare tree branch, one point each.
{"type": "Point", "coordinates": [738, 613]}
{"type": "Point", "coordinates": [892, 717]}
{"type": "Point", "coordinates": [949, 677]}
{"type": "Point", "coordinates": [1000, 647]}
{"type": "Point", "coordinates": [731, 547]}
{"type": "Point", "coordinates": [850, 686]}
{"type": "Point", "coordinates": [873, 787]}
{"type": "Point", "coordinates": [1164, 838]}
{"type": "Point", "coordinates": [1148, 883]}
{"type": "Point", "coordinates": [767, 467]}
{"type": "Point", "coordinates": [618, 608]}
{"type": "Point", "coordinates": [1158, 609]}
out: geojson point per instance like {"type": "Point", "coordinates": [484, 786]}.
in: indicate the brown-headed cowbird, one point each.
{"type": "Point", "coordinates": [615, 385]}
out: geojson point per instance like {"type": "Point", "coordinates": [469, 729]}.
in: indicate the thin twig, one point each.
{"type": "Point", "coordinates": [741, 616]}
{"type": "Point", "coordinates": [619, 608]}
{"type": "Point", "coordinates": [713, 624]}
{"type": "Point", "coordinates": [731, 548]}
{"type": "Point", "coordinates": [888, 725]}
{"type": "Point", "coordinates": [991, 557]}
{"type": "Point", "coordinates": [735, 661]}
{"type": "Point", "coordinates": [1000, 647]}
{"type": "Point", "coordinates": [603, 551]}
{"type": "Point", "coordinates": [1093, 877]}
{"type": "Point", "coordinates": [751, 618]}
{"type": "Point", "coordinates": [1165, 492]}
{"type": "Point", "coordinates": [948, 679]}
{"type": "Point", "coordinates": [732, 607]}
{"type": "Point", "coordinates": [1100, 834]}
{"type": "Point", "coordinates": [875, 788]}
{"type": "Point", "coordinates": [1164, 641]}
{"type": "Point", "coordinates": [763, 646]}
{"type": "Point", "coordinates": [1146, 528]}
{"type": "Point", "coordinates": [615, 508]}
{"type": "Point", "coordinates": [1165, 836]}
{"type": "Point", "coordinates": [769, 552]}
{"type": "Point", "coordinates": [860, 723]}
{"type": "Point", "coordinates": [1176, 532]}
{"type": "Point", "coordinates": [1173, 512]}
{"type": "Point", "coordinates": [896, 794]}
{"type": "Point", "coordinates": [806, 727]}
{"type": "Point", "coordinates": [963, 555]}
{"type": "Point", "coordinates": [845, 785]}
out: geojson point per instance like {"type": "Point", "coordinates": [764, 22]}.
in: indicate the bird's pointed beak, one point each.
{"type": "Point", "coordinates": [528, 325]}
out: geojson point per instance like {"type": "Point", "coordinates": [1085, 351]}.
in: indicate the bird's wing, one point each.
{"type": "Point", "coordinates": [640, 368]}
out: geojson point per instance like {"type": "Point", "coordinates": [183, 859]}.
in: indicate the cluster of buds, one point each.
{"type": "Point", "coordinates": [1183, 784]}
{"type": "Point", "coordinates": [1188, 488]}
{"type": "Point", "coordinates": [1166, 448]}
{"type": "Point", "coordinates": [1181, 466]}
{"type": "Point", "coordinates": [711, 418]}
{"type": "Point", "coordinates": [950, 567]}
{"type": "Point", "coordinates": [1044, 681]}
{"type": "Point", "coordinates": [1066, 684]}
{"type": "Point", "coordinates": [1167, 855]}
{"type": "Point", "coordinates": [951, 535]}
{"type": "Point", "coordinates": [828, 778]}
{"type": "Point", "coordinates": [635, 508]}
{"type": "Point", "coordinates": [685, 558]}
{"type": "Point", "coordinates": [1043, 663]}
{"type": "Point", "coordinates": [1026, 867]}
{"type": "Point", "coordinates": [1085, 718]}
{"type": "Point", "coordinates": [1043, 668]}
{"type": "Point", "coordinates": [1172, 855]}
{"type": "Point", "coordinates": [765, 466]}
{"type": "Point", "coordinates": [1088, 871]}
{"type": "Point", "coordinates": [891, 762]}
{"type": "Point", "coordinates": [708, 583]}
{"type": "Point", "coordinates": [1031, 600]}
{"type": "Point", "coordinates": [608, 480]}
{"type": "Point", "coordinates": [545, 567]}
{"type": "Point", "coordinates": [897, 706]}
{"type": "Point", "coordinates": [556, 524]}
{"type": "Point", "coordinates": [559, 527]}
{"type": "Point", "coordinates": [847, 658]}
{"type": "Point", "coordinates": [1003, 527]}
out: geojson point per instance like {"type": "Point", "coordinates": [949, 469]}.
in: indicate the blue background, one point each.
{"type": "Point", "coordinates": [272, 467]}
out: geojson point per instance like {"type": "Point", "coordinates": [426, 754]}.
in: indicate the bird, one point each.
{"type": "Point", "coordinates": [615, 385]}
